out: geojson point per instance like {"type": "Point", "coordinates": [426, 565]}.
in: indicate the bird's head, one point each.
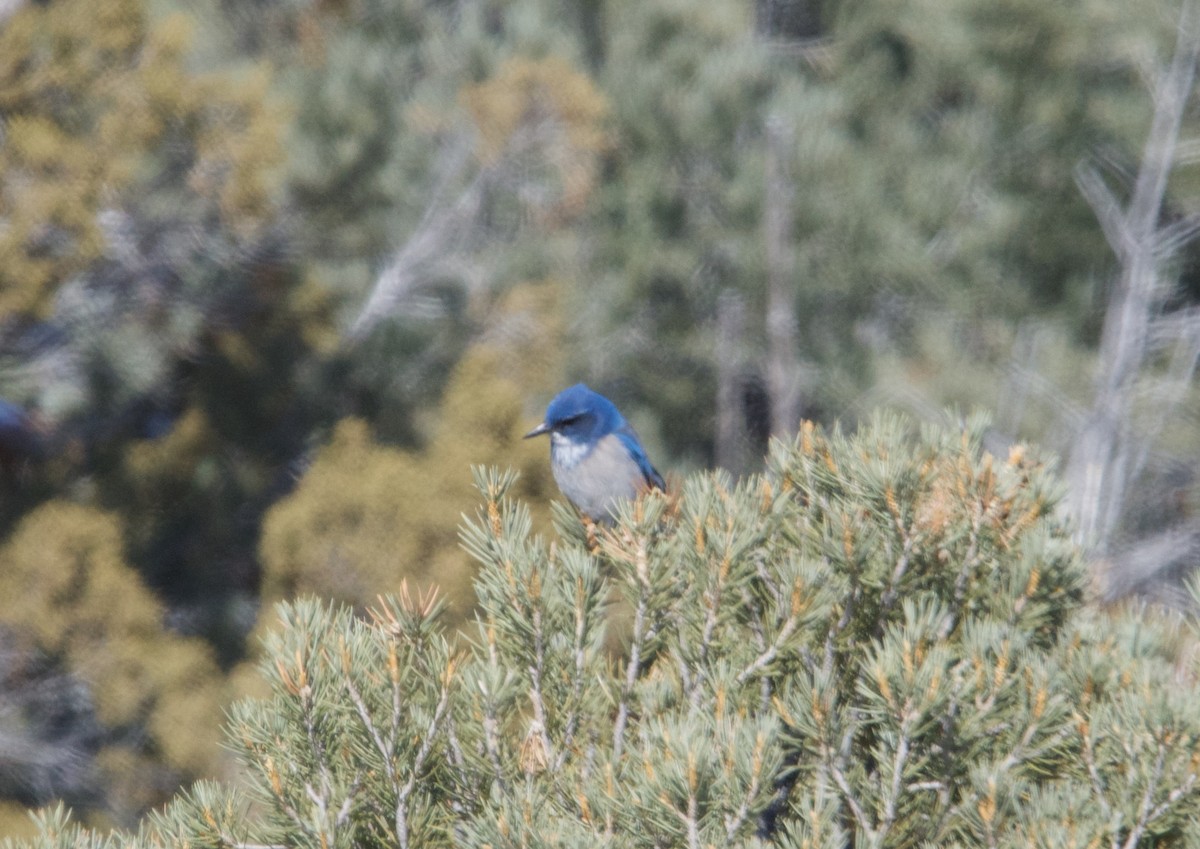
{"type": "Point", "coordinates": [579, 415]}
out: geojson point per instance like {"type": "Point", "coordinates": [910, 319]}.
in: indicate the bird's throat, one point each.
{"type": "Point", "coordinates": [566, 451]}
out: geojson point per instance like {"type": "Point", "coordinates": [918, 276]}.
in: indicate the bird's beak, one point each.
{"type": "Point", "coordinates": [538, 431]}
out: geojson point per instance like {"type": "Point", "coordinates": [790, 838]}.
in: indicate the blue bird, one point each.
{"type": "Point", "coordinates": [596, 458]}
{"type": "Point", "coordinates": [20, 437]}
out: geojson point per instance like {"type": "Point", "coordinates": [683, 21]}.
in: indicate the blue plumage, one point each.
{"type": "Point", "coordinates": [20, 439]}
{"type": "Point", "coordinates": [595, 455]}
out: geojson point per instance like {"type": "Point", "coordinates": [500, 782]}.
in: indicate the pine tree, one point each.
{"type": "Point", "coordinates": [886, 202]}
{"type": "Point", "coordinates": [101, 119]}
{"type": "Point", "coordinates": [103, 707]}
{"type": "Point", "coordinates": [880, 641]}
{"type": "Point", "coordinates": [150, 314]}
{"type": "Point", "coordinates": [367, 515]}
{"type": "Point", "coordinates": [150, 321]}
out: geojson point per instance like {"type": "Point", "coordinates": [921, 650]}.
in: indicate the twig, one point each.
{"type": "Point", "coordinates": [889, 812]}
{"type": "Point", "coordinates": [760, 662]}
{"type": "Point", "coordinates": [732, 824]}
{"type": "Point", "coordinates": [418, 761]}
{"type": "Point", "coordinates": [635, 649]}
{"type": "Point", "coordinates": [848, 795]}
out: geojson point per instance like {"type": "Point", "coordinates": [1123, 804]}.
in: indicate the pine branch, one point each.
{"type": "Point", "coordinates": [894, 792]}
{"type": "Point", "coordinates": [767, 657]}
{"type": "Point", "coordinates": [535, 673]}
{"type": "Point", "coordinates": [734, 823]}
{"type": "Point", "coordinates": [578, 656]}
{"type": "Point", "coordinates": [635, 650]}
{"type": "Point", "coordinates": [849, 797]}
{"type": "Point", "coordinates": [1145, 807]}
{"type": "Point", "coordinates": [418, 763]}
{"type": "Point", "coordinates": [962, 733]}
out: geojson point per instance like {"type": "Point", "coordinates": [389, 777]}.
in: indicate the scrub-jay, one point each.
{"type": "Point", "coordinates": [596, 457]}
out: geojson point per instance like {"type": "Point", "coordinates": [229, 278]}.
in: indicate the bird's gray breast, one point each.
{"type": "Point", "coordinates": [595, 476]}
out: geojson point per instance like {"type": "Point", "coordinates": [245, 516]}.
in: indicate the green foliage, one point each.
{"type": "Point", "coordinates": [880, 641]}
{"type": "Point", "coordinates": [191, 493]}
{"type": "Point", "coordinates": [67, 137]}
{"type": "Point", "coordinates": [155, 697]}
{"type": "Point", "coordinates": [402, 108]}
{"type": "Point", "coordinates": [175, 250]}
{"type": "Point", "coordinates": [524, 93]}
{"type": "Point", "coordinates": [366, 517]}
{"type": "Point", "coordinates": [144, 289]}
{"type": "Point", "coordinates": [929, 149]}
{"type": "Point", "coordinates": [678, 221]}
{"type": "Point", "coordinates": [97, 103]}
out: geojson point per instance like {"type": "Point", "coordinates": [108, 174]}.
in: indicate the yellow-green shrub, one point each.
{"type": "Point", "coordinates": [366, 516]}
{"type": "Point", "coordinates": [67, 594]}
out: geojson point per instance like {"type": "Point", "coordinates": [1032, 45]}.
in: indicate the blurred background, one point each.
{"type": "Point", "coordinates": [275, 273]}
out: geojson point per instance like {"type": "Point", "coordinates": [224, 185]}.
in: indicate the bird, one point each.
{"type": "Point", "coordinates": [20, 434]}
{"type": "Point", "coordinates": [595, 455]}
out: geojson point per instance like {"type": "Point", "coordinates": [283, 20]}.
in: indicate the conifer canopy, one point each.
{"type": "Point", "coordinates": [880, 641]}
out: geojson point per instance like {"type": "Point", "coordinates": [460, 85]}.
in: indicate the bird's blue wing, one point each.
{"type": "Point", "coordinates": [634, 446]}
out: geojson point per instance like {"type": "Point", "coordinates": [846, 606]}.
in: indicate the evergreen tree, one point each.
{"type": "Point", "coordinates": [164, 338]}
{"type": "Point", "coordinates": [880, 641]}
{"type": "Point", "coordinates": [366, 516]}
{"type": "Point", "coordinates": [925, 157]}
{"type": "Point", "coordinates": [195, 224]}
{"type": "Point", "coordinates": [104, 709]}
{"type": "Point", "coordinates": [153, 326]}
{"type": "Point", "coordinates": [99, 109]}
{"type": "Point", "coordinates": [676, 224]}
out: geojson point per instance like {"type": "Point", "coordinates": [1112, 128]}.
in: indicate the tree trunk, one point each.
{"type": "Point", "coordinates": [783, 379]}
{"type": "Point", "coordinates": [731, 428]}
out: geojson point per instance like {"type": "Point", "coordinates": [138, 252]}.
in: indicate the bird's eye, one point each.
{"type": "Point", "coordinates": [570, 420]}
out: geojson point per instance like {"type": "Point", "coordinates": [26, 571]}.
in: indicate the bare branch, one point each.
{"type": "Point", "coordinates": [1105, 207]}
{"type": "Point", "coordinates": [1104, 456]}
{"type": "Point", "coordinates": [436, 239]}
{"type": "Point", "coordinates": [1165, 396]}
{"type": "Point", "coordinates": [1171, 97]}
{"type": "Point", "coordinates": [1175, 326]}
{"type": "Point", "coordinates": [1175, 236]}
{"type": "Point", "coordinates": [1187, 152]}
